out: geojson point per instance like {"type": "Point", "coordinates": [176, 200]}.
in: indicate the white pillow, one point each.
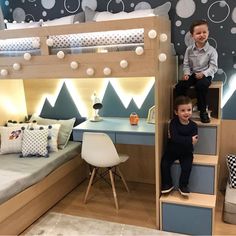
{"type": "Point", "coordinates": [66, 20]}
{"type": "Point", "coordinates": [11, 26]}
{"type": "Point", "coordinates": [105, 16]}
{"type": "Point", "coordinates": [64, 132]}
{"type": "Point", "coordinates": [11, 139]}
{"type": "Point", "coordinates": [35, 143]}
{"type": "Point", "coordinates": [53, 131]}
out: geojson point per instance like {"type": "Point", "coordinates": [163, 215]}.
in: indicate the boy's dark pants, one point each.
{"type": "Point", "coordinates": [201, 87]}
{"type": "Point", "coordinates": [185, 157]}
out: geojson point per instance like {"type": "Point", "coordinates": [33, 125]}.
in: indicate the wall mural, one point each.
{"type": "Point", "coordinates": [221, 16]}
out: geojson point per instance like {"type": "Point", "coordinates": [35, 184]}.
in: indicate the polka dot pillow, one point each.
{"type": "Point", "coordinates": [231, 163]}
{"type": "Point", "coordinates": [35, 143]}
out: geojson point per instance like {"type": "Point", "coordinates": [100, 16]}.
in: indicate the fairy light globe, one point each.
{"type": "Point", "coordinates": [152, 34]}
{"type": "Point", "coordinates": [4, 72]}
{"type": "Point", "coordinates": [74, 65]}
{"type": "Point", "coordinates": [139, 51]}
{"type": "Point", "coordinates": [163, 37]}
{"type": "Point", "coordinates": [49, 42]}
{"type": "Point", "coordinates": [107, 71]}
{"type": "Point", "coordinates": [16, 66]}
{"type": "Point", "coordinates": [27, 56]}
{"type": "Point", "coordinates": [90, 71]}
{"type": "Point", "coordinates": [60, 55]}
{"type": "Point", "coordinates": [162, 57]}
{"type": "Point", "coordinates": [124, 64]}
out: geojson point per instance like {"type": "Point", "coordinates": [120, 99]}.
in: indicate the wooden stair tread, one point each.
{"type": "Point", "coordinates": [214, 122]}
{"type": "Point", "coordinates": [194, 199]}
{"type": "Point", "coordinates": [214, 84]}
{"type": "Point", "coordinates": [208, 160]}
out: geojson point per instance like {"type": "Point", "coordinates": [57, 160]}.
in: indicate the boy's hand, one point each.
{"type": "Point", "coordinates": [185, 77]}
{"type": "Point", "coordinates": [199, 75]}
{"type": "Point", "coordinates": [194, 139]}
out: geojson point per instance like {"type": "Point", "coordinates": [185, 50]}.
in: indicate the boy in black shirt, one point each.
{"type": "Point", "coordinates": [182, 136]}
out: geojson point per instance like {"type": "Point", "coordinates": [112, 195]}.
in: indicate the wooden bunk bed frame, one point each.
{"type": "Point", "coordinates": [34, 201]}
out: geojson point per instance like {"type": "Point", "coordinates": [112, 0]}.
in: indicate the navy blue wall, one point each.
{"type": "Point", "coordinates": [221, 16]}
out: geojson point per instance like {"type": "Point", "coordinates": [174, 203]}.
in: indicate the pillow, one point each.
{"type": "Point", "coordinates": [35, 143]}
{"type": "Point", "coordinates": [79, 18]}
{"type": "Point", "coordinates": [65, 129]}
{"type": "Point", "coordinates": [26, 125]}
{"type": "Point", "coordinates": [162, 10]}
{"type": "Point", "coordinates": [53, 131]}
{"type": "Point", "coordinates": [66, 20]}
{"type": "Point", "coordinates": [2, 24]}
{"type": "Point", "coordinates": [11, 139]}
{"type": "Point", "coordinates": [231, 163]}
{"type": "Point", "coordinates": [11, 26]}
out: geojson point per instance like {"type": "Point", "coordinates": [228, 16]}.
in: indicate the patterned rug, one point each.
{"type": "Point", "coordinates": [66, 225]}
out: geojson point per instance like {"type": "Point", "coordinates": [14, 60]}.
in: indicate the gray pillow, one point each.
{"type": "Point", "coordinates": [79, 17]}
{"type": "Point", "coordinates": [162, 10]}
{"type": "Point", "coordinates": [89, 14]}
{"type": "Point", "coordinates": [2, 24]}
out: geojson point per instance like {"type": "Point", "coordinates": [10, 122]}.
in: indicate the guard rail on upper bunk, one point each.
{"type": "Point", "coordinates": [144, 60]}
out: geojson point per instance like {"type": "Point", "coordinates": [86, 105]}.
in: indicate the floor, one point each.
{"type": "Point", "coordinates": [136, 208]}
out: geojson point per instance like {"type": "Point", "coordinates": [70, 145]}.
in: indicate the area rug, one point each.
{"type": "Point", "coordinates": [66, 225]}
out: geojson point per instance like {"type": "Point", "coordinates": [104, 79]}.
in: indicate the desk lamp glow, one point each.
{"type": "Point", "coordinates": [97, 105]}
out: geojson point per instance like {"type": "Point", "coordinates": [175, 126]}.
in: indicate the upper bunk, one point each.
{"type": "Point", "coordinates": [117, 48]}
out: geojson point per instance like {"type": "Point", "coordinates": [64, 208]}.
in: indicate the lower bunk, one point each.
{"type": "Point", "coordinates": [63, 171]}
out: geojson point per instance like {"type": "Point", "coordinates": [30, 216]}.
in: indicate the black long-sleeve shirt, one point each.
{"type": "Point", "coordinates": [181, 134]}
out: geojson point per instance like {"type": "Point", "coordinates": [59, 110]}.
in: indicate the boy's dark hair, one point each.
{"type": "Point", "coordinates": [181, 100]}
{"type": "Point", "coordinates": [197, 23]}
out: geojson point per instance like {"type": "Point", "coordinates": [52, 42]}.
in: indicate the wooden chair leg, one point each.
{"type": "Point", "coordinates": [123, 179]}
{"type": "Point", "coordinates": [113, 188]}
{"type": "Point", "coordinates": [89, 185]}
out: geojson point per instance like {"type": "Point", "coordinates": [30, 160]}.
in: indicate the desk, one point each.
{"type": "Point", "coordinates": [120, 130]}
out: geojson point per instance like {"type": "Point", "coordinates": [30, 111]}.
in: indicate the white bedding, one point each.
{"type": "Point", "coordinates": [18, 173]}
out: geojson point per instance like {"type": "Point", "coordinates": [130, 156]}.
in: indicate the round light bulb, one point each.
{"type": "Point", "coordinates": [163, 37]}
{"type": "Point", "coordinates": [4, 72]}
{"type": "Point", "coordinates": [16, 66]}
{"type": "Point", "coordinates": [139, 51]}
{"type": "Point", "coordinates": [90, 71]}
{"type": "Point", "coordinates": [49, 42]}
{"type": "Point", "coordinates": [162, 57]}
{"type": "Point", "coordinates": [27, 56]}
{"type": "Point", "coordinates": [124, 64]}
{"type": "Point", "coordinates": [60, 54]}
{"type": "Point", "coordinates": [74, 65]}
{"type": "Point", "coordinates": [152, 34]}
{"type": "Point", "coordinates": [107, 71]}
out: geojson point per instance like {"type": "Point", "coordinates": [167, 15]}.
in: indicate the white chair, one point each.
{"type": "Point", "coordinates": [99, 151]}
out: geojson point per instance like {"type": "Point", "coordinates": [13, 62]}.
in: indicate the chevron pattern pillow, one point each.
{"type": "Point", "coordinates": [231, 163]}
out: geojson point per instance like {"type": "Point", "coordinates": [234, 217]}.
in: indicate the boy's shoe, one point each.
{"type": "Point", "coordinates": [167, 188]}
{"type": "Point", "coordinates": [204, 117]}
{"type": "Point", "coordinates": [184, 191]}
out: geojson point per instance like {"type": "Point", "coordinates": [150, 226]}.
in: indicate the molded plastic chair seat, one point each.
{"type": "Point", "coordinates": [99, 151]}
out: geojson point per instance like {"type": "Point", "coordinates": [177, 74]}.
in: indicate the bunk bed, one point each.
{"type": "Point", "coordinates": [150, 56]}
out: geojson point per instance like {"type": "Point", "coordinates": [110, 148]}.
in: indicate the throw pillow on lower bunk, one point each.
{"type": "Point", "coordinates": [11, 139]}
{"type": "Point", "coordinates": [53, 131]}
{"type": "Point", "coordinates": [64, 132]}
{"type": "Point", "coordinates": [35, 143]}
{"type": "Point", "coordinates": [231, 163]}
{"type": "Point", "coordinates": [11, 26]}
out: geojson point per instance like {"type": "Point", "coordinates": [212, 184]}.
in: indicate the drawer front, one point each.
{"type": "Point", "coordinates": [139, 139]}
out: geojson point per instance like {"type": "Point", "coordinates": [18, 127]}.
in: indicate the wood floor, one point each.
{"type": "Point", "coordinates": [136, 207]}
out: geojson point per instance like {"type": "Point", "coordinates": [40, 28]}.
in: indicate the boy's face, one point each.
{"type": "Point", "coordinates": [200, 34]}
{"type": "Point", "coordinates": [184, 112]}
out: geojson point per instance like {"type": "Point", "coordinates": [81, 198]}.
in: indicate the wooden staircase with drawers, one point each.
{"type": "Point", "coordinates": [195, 214]}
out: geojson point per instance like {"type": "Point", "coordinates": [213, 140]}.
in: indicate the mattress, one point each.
{"type": "Point", "coordinates": [18, 173]}
{"type": "Point", "coordinates": [76, 40]}
{"type": "Point", "coordinates": [230, 205]}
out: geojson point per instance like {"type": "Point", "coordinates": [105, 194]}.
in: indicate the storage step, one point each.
{"type": "Point", "coordinates": [203, 178]}
{"type": "Point", "coordinates": [208, 134]}
{"type": "Point", "coordinates": [193, 215]}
